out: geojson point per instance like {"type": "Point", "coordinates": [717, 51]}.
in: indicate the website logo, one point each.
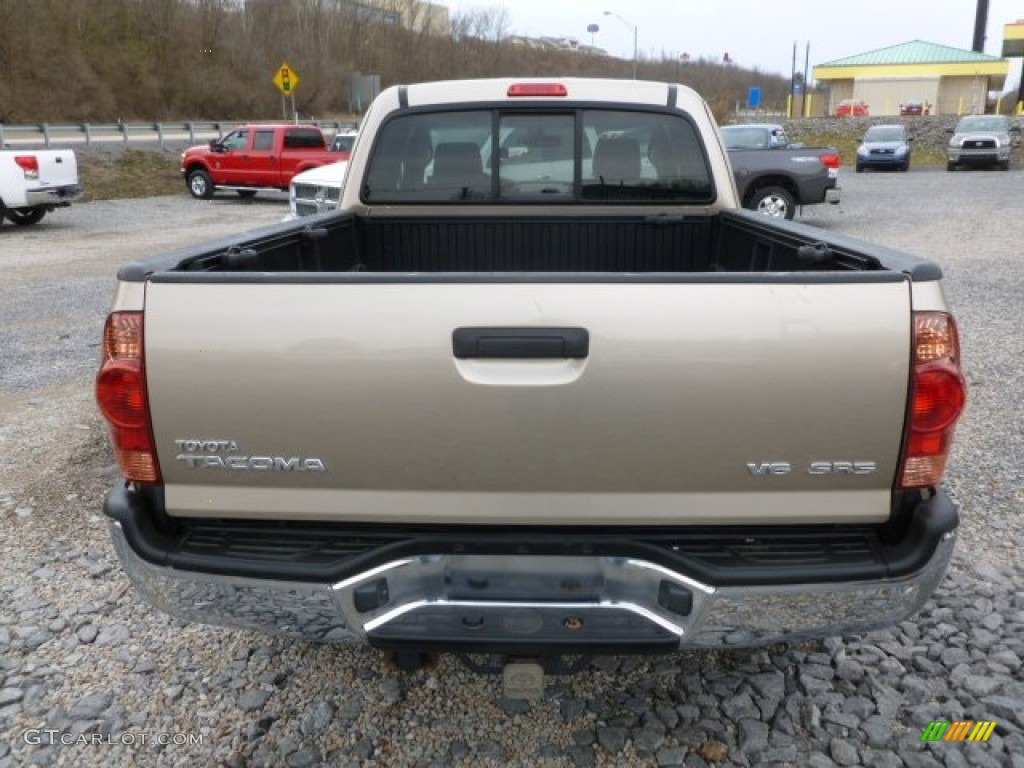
{"type": "Point", "coordinates": [958, 730]}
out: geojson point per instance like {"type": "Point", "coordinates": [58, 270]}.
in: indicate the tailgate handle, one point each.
{"type": "Point", "coordinates": [530, 343]}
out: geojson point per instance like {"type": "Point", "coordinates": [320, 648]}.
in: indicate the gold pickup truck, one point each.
{"type": "Point", "coordinates": [537, 387]}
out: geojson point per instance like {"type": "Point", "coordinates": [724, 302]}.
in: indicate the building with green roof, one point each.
{"type": "Point", "coordinates": [948, 80]}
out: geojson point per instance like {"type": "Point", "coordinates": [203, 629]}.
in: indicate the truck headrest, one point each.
{"type": "Point", "coordinates": [616, 159]}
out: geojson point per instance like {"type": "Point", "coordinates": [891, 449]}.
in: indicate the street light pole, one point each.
{"type": "Point", "coordinates": [628, 24]}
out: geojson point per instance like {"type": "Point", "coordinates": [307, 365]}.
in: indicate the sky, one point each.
{"type": "Point", "coordinates": [756, 33]}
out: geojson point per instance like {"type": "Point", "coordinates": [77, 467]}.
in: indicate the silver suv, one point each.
{"type": "Point", "coordinates": [982, 140]}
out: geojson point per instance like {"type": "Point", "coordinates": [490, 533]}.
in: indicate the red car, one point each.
{"type": "Point", "coordinates": [911, 108]}
{"type": "Point", "coordinates": [254, 157]}
{"type": "Point", "coordinates": [852, 108]}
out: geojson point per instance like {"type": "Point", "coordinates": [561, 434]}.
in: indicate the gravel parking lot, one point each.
{"type": "Point", "coordinates": [91, 676]}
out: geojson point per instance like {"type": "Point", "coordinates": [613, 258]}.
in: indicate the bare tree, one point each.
{"type": "Point", "coordinates": [175, 59]}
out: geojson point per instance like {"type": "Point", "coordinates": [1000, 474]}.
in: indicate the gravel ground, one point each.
{"type": "Point", "coordinates": [82, 659]}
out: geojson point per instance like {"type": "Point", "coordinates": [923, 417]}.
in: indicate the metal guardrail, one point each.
{"type": "Point", "coordinates": [48, 134]}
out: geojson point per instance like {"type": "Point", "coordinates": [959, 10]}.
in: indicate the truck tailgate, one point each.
{"type": "Point", "coordinates": [57, 168]}
{"type": "Point", "coordinates": [700, 401]}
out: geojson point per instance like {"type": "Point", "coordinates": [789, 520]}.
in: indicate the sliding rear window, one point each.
{"type": "Point", "coordinates": [561, 156]}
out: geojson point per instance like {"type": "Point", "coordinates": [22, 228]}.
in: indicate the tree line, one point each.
{"type": "Point", "coordinates": [100, 60]}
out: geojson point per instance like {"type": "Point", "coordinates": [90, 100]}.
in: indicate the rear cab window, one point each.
{"type": "Point", "coordinates": [745, 137]}
{"type": "Point", "coordinates": [552, 156]}
{"type": "Point", "coordinates": [303, 138]}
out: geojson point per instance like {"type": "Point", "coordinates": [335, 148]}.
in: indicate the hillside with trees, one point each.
{"type": "Point", "coordinates": [102, 60]}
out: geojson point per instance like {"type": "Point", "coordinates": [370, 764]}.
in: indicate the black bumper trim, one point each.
{"type": "Point", "coordinates": [719, 556]}
{"type": "Point", "coordinates": [526, 648]}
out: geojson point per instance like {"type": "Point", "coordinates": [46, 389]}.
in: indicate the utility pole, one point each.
{"type": "Point", "coordinates": [792, 85]}
{"type": "Point", "coordinates": [628, 24]}
{"type": "Point", "coordinates": [980, 22]}
{"type": "Point", "coordinates": [803, 101]}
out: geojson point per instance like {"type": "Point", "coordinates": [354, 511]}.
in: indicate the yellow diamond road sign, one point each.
{"type": "Point", "coordinates": [286, 78]}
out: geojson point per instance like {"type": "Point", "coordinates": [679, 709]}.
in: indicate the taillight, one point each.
{"type": "Point", "coordinates": [29, 165]}
{"type": "Point", "coordinates": [938, 394]}
{"type": "Point", "coordinates": [538, 89]}
{"type": "Point", "coordinates": [831, 160]}
{"type": "Point", "coordinates": [122, 398]}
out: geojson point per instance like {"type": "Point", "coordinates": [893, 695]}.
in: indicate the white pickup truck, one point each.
{"type": "Point", "coordinates": [34, 181]}
{"type": "Point", "coordinates": [538, 386]}
{"type": "Point", "coordinates": [317, 190]}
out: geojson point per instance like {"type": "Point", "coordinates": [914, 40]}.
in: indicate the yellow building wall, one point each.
{"type": "Point", "coordinates": [996, 69]}
{"type": "Point", "coordinates": [841, 89]}
{"type": "Point", "coordinates": [884, 96]}
{"type": "Point", "coordinates": [963, 95]}
{"type": "Point", "coordinates": [953, 88]}
{"type": "Point", "coordinates": [947, 95]}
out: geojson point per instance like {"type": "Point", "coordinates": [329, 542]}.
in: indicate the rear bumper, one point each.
{"type": "Point", "coordinates": [54, 196]}
{"type": "Point", "coordinates": [461, 598]}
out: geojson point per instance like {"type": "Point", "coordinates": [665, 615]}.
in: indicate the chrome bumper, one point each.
{"type": "Point", "coordinates": [55, 196]}
{"type": "Point", "coordinates": [982, 155]}
{"type": "Point", "coordinates": [463, 602]}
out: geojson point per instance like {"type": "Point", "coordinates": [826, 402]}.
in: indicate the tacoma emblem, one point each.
{"type": "Point", "coordinates": [205, 454]}
{"type": "Point", "coordinates": [252, 463]}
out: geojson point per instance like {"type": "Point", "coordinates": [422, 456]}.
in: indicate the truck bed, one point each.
{"type": "Point", "coordinates": [343, 244]}
{"type": "Point", "coordinates": [701, 346]}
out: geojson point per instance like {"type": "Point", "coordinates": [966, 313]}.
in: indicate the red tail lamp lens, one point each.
{"type": "Point", "coordinates": [938, 399]}
{"type": "Point", "coordinates": [939, 395]}
{"type": "Point", "coordinates": [120, 394]}
{"type": "Point", "coordinates": [122, 398]}
{"type": "Point", "coordinates": [29, 165]}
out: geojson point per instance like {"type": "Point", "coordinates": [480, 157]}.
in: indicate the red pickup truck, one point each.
{"type": "Point", "coordinates": [254, 157]}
